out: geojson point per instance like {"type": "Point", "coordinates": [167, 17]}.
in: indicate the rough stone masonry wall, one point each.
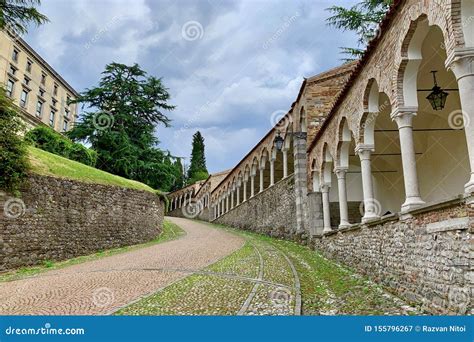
{"type": "Point", "coordinates": [426, 258]}
{"type": "Point", "coordinates": [65, 219]}
{"type": "Point", "coordinates": [270, 212]}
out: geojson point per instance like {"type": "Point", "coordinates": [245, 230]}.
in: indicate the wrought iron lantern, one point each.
{"type": "Point", "coordinates": [278, 142]}
{"type": "Point", "coordinates": [437, 97]}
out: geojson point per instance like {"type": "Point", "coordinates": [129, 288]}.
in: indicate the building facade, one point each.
{"type": "Point", "coordinates": [373, 165]}
{"type": "Point", "coordinates": [40, 93]}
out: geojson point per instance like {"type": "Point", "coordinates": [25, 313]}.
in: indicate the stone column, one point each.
{"type": "Point", "coordinates": [238, 194]}
{"type": "Point", "coordinates": [261, 178]}
{"type": "Point", "coordinates": [232, 199]}
{"type": "Point", "coordinates": [252, 185]}
{"type": "Point", "coordinates": [404, 120]}
{"type": "Point", "coordinates": [245, 189]}
{"type": "Point", "coordinates": [343, 210]}
{"type": "Point", "coordinates": [301, 180]}
{"type": "Point", "coordinates": [371, 205]}
{"type": "Point", "coordinates": [285, 163]}
{"type": "Point", "coordinates": [218, 208]}
{"type": "Point", "coordinates": [461, 62]}
{"type": "Point", "coordinates": [326, 208]}
{"type": "Point", "coordinates": [227, 202]}
{"type": "Point", "coordinates": [272, 172]}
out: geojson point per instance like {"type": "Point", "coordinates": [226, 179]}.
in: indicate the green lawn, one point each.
{"type": "Point", "coordinates": [48, 164]}
{"type": "Point", "coordinates": [170, 232]}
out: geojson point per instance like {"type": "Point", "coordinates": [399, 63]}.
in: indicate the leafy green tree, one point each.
{"type": "Point", "coordinates": [178, 175]}
{"type": "Point", "coordinates": [16, 15]}
{"type": "Point", "coordinates": [13, 154]}
{"type": "Point", "coordinates": [197, 169]}
{"type": "Point", "coordinates": [362, 18]}
{"type": "Point", "coordinates": [124, 110]}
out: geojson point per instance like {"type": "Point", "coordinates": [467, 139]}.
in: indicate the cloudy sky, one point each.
{"type": "Point", "coordinates": [230, 66]}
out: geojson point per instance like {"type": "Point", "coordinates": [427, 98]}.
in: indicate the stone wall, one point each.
{"type": "Point", "coordinates": [270, 212]}
{"type": "Point", "coordinates": [60, 219]}
{"type": "Point", "coordinates": [424, 258]}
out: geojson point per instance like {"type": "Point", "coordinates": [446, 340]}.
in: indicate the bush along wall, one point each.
{"type": "Point", "coordinates": [49, 140]}
{"type": "Point", "coordinates": [13, 155]}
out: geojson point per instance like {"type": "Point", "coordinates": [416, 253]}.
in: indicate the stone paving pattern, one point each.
{"type": "Point", "coordinates": [263, 278]}
{"type": "Point", "coordinates": [104, 285]}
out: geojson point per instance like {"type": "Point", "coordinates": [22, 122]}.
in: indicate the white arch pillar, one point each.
{"type": "Point", "coordinates": [232, 199]}
{"type": "Point", "coordinates": [370, 203]}
{"type": "Point", "coordinates": [461, 62]}
{"type": "Point", "coordinates": [404, 120]}
{"type": "Point", "coordinates": [343, 209]}
{"type": "Point", "coordinates": [262, 169]}
{"type": "Point", "coordinates": [252, 185]}
{"type": "Point", "coordinates": [272, 172]}
{"type": "Point", "coordinates": [285, 163]}
{"type": "Point", "coordinates": [238, 194]}
{"type": "Point", "coordinates": [326, 208]}
{"type": "Point", "coordinates": [245, 190]}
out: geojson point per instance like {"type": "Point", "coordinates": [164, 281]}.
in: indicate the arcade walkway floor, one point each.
{"type": "Point", "coordinates": [211, 270]}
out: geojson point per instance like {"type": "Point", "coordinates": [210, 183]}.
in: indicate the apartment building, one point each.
{"type": "Point", "coordinates": [39, 91]}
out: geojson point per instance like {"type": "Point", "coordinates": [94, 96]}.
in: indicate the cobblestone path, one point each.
{"type": "Point", "coordinates": [270, 277]}
{"type": "Point", "coordinates": [102, 286]}
{"type": "Point", "coordinates": [259, 279]}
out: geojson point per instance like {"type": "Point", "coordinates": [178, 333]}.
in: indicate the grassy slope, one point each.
{"type": "Point", "coordinates": [170, 232]}
{"type": "Point", "coordinates": [48, 164]}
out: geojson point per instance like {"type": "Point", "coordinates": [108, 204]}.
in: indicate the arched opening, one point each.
{"type": "Point", "coordinates": [348, 166]}
{"type": "Point", "coordinates": [442, 158]}
{"type": "Point", "coordinates": [265, 163]}
{"type": "Point", "coordinates": [255, 173]}
{"type": "Point", "coordinates": [380, 134]}
{"type": "Point", "coordinates": [289, 150]}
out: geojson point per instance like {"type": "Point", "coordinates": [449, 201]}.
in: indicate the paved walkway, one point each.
{"type": "Point", "coordinates": [104, 285]}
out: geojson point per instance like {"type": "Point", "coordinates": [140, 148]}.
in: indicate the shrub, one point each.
{"type": "Point", "coordinates": [49, 140]}
{"type": "Point", "coordinates": [13, 155]}
{"type": "Point", "coordinates": [83, 154]}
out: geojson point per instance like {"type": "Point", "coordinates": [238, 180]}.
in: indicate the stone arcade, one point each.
{"type": "Point", "coordinates": [368, 172]}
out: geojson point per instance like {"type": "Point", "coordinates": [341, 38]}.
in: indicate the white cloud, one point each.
{"type": "Point", "coordinates": [250, 61]}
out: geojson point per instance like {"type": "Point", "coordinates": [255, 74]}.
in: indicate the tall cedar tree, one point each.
{"type": "Point", "coordinates": [125, 108]}
{"type": "Point", "coordinates": [362, 18]}
{"type": "Point", "coordinates": [197, 169]}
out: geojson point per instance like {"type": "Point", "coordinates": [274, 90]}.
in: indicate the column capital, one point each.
{"type": "Point", "coordinates": [300, 135]}
{"type": "Point", "coordinates": [340, 171]}
{"type": "Point", "coordinates": [461, 62]}
{"type": "Point", "coordinates": [364, 150]}
{"type": "Point", "coordinates": [325, 188]}
{"type": "Point", "coordinates": [403, 116]}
